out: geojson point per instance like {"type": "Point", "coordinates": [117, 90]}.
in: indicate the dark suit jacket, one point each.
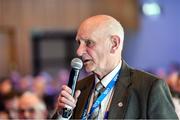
{"type": "Point", "coordinates": [142, 95]}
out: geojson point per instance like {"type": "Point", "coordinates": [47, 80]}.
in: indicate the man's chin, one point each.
{"type": "Point", "coordinates": [88, 69]}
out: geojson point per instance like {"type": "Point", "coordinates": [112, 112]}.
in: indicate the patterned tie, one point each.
{"type": "Point", "coordinates": [98, 90]}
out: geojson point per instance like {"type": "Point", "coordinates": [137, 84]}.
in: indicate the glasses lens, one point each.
{"type": "Point", "coordinates": [31, 110]}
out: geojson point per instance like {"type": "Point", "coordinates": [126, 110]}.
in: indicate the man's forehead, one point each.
{"type": "Point", "coordinates": [83, 34]}
{"type": "Point", "coordinates": [26, 104]}
{"type": "Point", "coordinates": [81, 37]}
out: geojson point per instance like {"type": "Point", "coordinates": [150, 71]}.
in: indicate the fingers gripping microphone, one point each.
{"type": "Point", "coordinates": [76, 65]}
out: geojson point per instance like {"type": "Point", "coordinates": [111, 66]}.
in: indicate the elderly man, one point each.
{"type": "Point", "coordinates": [31, 107]}
{"type": "Point", "coordinates": [125, 93]}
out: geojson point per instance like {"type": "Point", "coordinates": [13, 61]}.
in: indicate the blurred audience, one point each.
{"type": "Point", "coordinates": [17, 103]}
{"type": "Point", "coordinates": [41, 87]}
{"type": "Point", "coordinates": [174, 83]}
{"type": "Point", "coordinates": [25, 83]}
{"type": "Point", "coordinates": [11, 103]}
{"type": "Point", "coordinates": [6, 88]}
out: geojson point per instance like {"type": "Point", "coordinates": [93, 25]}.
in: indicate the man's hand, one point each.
{"type": "Point", "coordinates": [66, 100]}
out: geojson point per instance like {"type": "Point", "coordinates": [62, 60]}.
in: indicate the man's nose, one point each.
{"type": "Point", "coordinates": [81, 49]}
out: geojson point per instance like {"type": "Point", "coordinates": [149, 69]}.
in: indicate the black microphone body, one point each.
{"type": "Point", "coordinates": [76, 65]}
{"type": "Point", "coordinates": [73, 77]}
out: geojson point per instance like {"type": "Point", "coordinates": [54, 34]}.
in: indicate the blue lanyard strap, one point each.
{"type": "Point", "coordinates": [100, 98]}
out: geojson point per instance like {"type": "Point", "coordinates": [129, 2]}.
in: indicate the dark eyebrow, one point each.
{"type": "Point", "coordinates": [89, 40]}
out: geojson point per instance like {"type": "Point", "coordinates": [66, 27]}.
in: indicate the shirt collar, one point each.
{"type": "Point", "coordinates": [105, 81]}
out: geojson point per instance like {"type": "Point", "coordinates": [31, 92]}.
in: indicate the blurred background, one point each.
{"type": "Point", "coordinates": [37, 42]}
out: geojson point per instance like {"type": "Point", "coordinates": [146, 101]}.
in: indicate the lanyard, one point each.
{"type": "Point", "coordinates": [100, 98]}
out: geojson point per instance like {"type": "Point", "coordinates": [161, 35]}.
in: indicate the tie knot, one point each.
{"type": "Point", "coordinates": [99, 87]}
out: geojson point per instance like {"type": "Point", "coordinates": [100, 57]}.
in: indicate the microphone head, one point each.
{"type": "Point", "coordinates": [76, 63]}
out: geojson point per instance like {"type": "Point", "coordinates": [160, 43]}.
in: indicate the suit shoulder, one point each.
{"type": "Point", "coordinates": [141, 80]}
{"type": "Point", "coordinates": [142, 75]}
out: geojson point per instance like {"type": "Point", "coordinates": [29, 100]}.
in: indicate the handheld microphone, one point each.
{"type": "Point", "coordinates": [76, 65]}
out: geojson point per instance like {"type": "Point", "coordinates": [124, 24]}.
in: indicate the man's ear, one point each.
{"type": "Point", "coordinates": [115, 43]}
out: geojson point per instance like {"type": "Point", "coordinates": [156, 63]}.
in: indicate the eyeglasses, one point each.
{"type": "Point", "coordinates": [30, 110]}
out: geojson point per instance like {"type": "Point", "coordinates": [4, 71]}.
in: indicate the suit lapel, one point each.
{"type": "Point", "coordinates": [119, 101]}
{"type": "Point", "coordinates": [85, 86]}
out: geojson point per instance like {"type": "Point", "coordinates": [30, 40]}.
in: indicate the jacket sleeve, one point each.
{"type": "Point", "coordinates": [160, 104]}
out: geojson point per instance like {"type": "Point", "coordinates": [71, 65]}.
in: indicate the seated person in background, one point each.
{"type": "Point", "coordinates": [31, 107]}
{"type": "Point", "coordinates": [6, 89]}
{"type": "Point", "coordinates": [6, 86]}
{"type": "Point", "coordinates": [11, 102]}
{"type": "Point", "coordinates": [173, 81]}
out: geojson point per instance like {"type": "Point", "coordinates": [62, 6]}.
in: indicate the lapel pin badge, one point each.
{"type": "Point", "coordinates": [120, 104]}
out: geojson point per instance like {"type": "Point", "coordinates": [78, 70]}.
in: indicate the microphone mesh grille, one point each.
{"type": "Point", "coordinates": [76, 63]}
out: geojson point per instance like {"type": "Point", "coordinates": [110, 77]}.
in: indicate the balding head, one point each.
{"type": "Point", "coordinates": [103, 24]}
{"type": "Point", "coordinates": [31, 107]}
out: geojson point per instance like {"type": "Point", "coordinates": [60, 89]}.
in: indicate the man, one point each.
{"type": "Point", "coordinates": [31, 107]}
{"type": "Point", "coordinates": [127, 94]}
